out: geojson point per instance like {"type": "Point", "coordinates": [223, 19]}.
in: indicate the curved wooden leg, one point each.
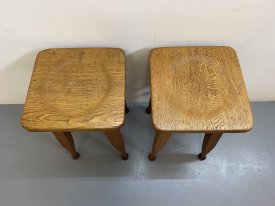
{"type": "Point", "coordinates": [66, 140]}
{"type": "Point", "coordinates": [209, 142]}
{"type": "Point", "coordinates": [149, 108]}
{"type": "Point", "coordinates": [126, 108]}
{"type": "Point", "coordinates": [115, 138]}
{"type": "Point", "coordinates": [160, 140]}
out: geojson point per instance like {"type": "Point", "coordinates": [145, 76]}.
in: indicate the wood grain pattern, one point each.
{"type": "Point", "coordinates": [76, 89]}
{"type": "Point", "coordinates": [198, 89]}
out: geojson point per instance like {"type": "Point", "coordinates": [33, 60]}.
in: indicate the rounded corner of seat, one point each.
{"type": "Point", "coordinates": [230, 48]}
{"type": "Point", "coordinates": [120, 50]}
{"type": "Point", "coordinates": [43, 51]}
{"type": "Point", "coordinates": [250, 126]}
{"type": "Point", "coordinates": [119, 124]}
{"type": "Point", "coordinates": [156, 126]}
{"type": "Point", "coordinates": [26, 126]}
{"type": "Point", "coordinates": [153, 51]}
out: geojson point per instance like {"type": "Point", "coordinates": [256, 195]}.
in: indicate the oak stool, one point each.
{"type": "Point", "coordinates": [81, 89]}
{"type": "Point", "coordinates": [199, 90]}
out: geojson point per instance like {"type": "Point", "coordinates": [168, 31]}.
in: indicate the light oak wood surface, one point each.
{"type": "Point", "coordinates": [198, 89]}
{"type": "Point", "coordinates": [76, 89]}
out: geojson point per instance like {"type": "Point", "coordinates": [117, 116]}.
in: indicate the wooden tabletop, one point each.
{"type": "Point", "coordinates": [198, 89]}
{"type": "Point", "coordinates": [76, 89]}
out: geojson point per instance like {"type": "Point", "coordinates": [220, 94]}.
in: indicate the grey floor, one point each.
{"type": "Point", "coordinates": [35, 170]}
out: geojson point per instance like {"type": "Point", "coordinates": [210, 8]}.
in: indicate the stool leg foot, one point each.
{"type": "Point", "coordinates": [75, 156]}
{"type": "Point", "coordinates": [151, 157]}
{"type": "Point", "coordinates": [201, 156]}
{"type": "Point", "coordinates": [125, 156]}
{"type": "Point", "coordinates": [66, 140]}
{"type": "Point", "coordinates": [209, 142]}
{"type": "Point", "coordinates": [148, 109]}
{"type": "Point", "coordinates": [115, 138]}
{"type": "Point", "coordinates": [126, 108]}
{"type": "Point", "coordinates": [160, 140]}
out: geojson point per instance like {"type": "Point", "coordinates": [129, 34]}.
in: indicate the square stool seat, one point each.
{"type": "Point", "coordinates": [198, 89]}
{"type": "Point", "coordinates": [76, 89]}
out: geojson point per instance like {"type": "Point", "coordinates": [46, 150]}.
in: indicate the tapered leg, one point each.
{"type": "Point", "coordinates": [149, 108]}
{"type": "Point", "coordinates": [115, 138]}
{"type": "Point", "coordinates": [209, 142]}
{"type": "Point", "coordinates": [160, 140]}
{"type": "Point", "coordinates": [66, 140]}
{"type": "Point", "coordinates": [126, 108]}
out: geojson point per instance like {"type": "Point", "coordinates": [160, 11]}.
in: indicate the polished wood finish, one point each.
{"type": "Point", "coordinates": [209, 142]}
{"type": "Point", "coordinates": [79, 89]}
{"type": "Point", "coordinates": [66, 140]}
{"type": "Point", "coordinates": [160, 140]}
{"type": "Point", "coordinates": [198, 89]}
{"type": "Point", "coordinates": [115, 138]}
{"type": "Point", "coordinates": [76, 90]}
